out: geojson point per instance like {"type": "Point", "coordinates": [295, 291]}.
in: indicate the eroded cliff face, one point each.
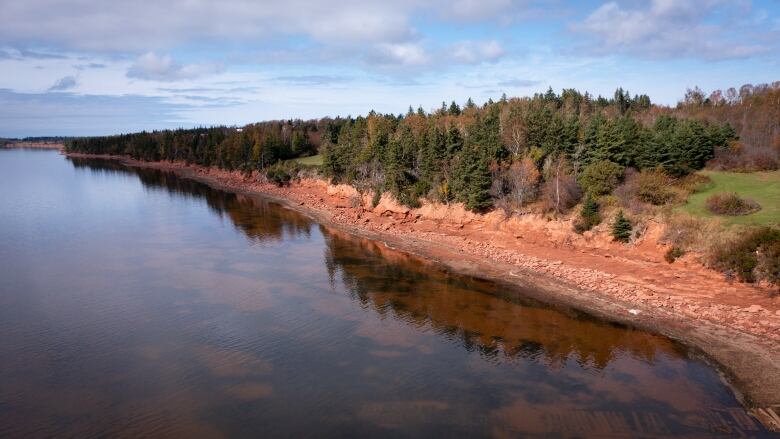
{"type": "Point", "coordinates": [635, 273]}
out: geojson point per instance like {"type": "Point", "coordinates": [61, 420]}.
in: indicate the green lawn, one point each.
{"type": "Point", "coordinates": [315, 160]}
{"type": "Point", "coordinates": [763, 187]}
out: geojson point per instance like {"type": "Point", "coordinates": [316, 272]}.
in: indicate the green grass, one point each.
{"type": "Point", "coordinates": [315, 160]}
{"type": "Point", "coordinates": [763, 187]}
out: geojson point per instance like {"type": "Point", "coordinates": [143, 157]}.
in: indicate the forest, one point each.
{"type": "Point", "coordinates": [551, 148]}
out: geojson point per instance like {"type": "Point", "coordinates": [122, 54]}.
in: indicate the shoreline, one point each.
{"type": "Point", "coordinates": [34, 145]}
{"type": "Point", "coordinates": [593, 277]}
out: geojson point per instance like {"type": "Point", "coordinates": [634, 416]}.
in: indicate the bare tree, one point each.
{"type": "Point", "coordinates": [560, 189]}
{"type": "Point", "coordinates": [513, 130]}
{"type": "Point", "coordinates": [524, 180]}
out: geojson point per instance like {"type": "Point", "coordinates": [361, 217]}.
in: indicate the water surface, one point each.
{"type": "Point", "coordinates": [135, 303]}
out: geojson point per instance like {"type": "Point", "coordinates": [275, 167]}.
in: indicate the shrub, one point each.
{"type": "Point", "coordinates": [601, 177]}
{"type": "Point", "coordinates": [693, 234]}
{"type": "Point", "coordinates": [673, 253]}
{"type": "Point", "coordinates": [740, 257]}
{"type": "Point", "coordinates": [621, 228]}
{"type": "Point", "coordinates": [746, 158]}
{"type": "Point", "coordinates": [768, 263]}
{"type": "Point", "coordinates": [731, 204]}
{"type": "Point", "coordinates": [650, 186]}
{"type": "Point", "coordinates": [693, 183]}
{"type": "Point", "coordinates": [562, 194]}
{"type": "Point", "coordinates": [589, 216]}
{"type": "Point", "coordinates": [279, 174]}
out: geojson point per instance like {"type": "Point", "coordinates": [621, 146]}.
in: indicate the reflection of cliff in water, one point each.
{"type": "Point", "coordinates": [481, 315]}
{"type": "Point", "coordinates": [259, 220]}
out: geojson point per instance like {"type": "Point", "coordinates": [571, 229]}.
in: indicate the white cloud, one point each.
{"type": "Point", "coordinates": [664, 29]}
{"type": "Point", "coordinates": [151, 25]}
{"type": "Point", "coordinates": [143, 25]}
{"type": "Point", "coordinates": [473, 52]}
{"type": "Point", "coordinates": [151, 66]}
{"type": "Point", "coordinates": [398, 55]}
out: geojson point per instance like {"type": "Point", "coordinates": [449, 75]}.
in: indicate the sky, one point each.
{"type": "Point", "coordinates": [95, 67]}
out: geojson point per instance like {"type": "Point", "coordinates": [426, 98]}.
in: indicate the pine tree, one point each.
{"type": "Point", "coordinates": [621, 228]}
{"type": "Point", "coordinates": [454, 140]}
{"type": "Point", "coordinates": [454, 109]}
{"type": "Point", "coordinates": [589, 215]}
{"type": "Point", "coordinates": [472, 180]}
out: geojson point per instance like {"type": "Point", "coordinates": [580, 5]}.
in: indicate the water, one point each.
{"type": "Point", "coordinates": [135, 303]}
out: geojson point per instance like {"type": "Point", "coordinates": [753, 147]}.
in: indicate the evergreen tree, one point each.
{"type": "Point", "coordinates": [454, 141]}
{"type": "Point", "coordinates": [589, 215]}
{"type": "Point", "coordinates": [621, 228]}
{"type": "Point", "coordinates": [472, 180]}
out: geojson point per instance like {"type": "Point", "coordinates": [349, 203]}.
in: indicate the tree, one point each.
{"type": "Point", "coordinates": [621, 228]}
{"type": "Point", "coordinates": [523, 181]}
{"type": "Point", "coordinates": [601, 177]}
{"type": "Point", "coordinates": [513, 130]}
{"type": "Point", "coordinates": [589, 215]}
{"type": "Point", "coordinates": [454, 109]}
{"type": "Point", "coordinates": [560, 188]}
{"type": "Point", "coordinates": [454, 140]}
{"type": "Point", "coordinates": [472, 180]}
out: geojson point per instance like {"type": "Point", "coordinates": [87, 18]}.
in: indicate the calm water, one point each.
{"type": "Point", "coordinates": [134, 303]}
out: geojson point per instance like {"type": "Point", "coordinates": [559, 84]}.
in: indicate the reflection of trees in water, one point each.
{"type": "Point", "coordinates": [259, 220]}
{"type": "Point", "coordinates": [478, 314]}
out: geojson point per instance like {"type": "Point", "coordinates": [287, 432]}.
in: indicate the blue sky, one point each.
{"type": "Point", "coordinates": [86, 67]}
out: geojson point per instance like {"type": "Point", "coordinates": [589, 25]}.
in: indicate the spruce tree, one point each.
{"type": "Point", "coordinates": [472, 180]}
{"type": "Point", "coordinates": [621, 228]}
{"type": "Point", "coordinates": [454, 140]}
{"type": "Point", "coordinates": [589, 215]}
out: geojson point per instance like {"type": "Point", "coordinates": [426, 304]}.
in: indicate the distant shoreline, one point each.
{"type": "Point", "coordinates": [581, 278]}
{"type": "Point", "coordinates": [35, 145]}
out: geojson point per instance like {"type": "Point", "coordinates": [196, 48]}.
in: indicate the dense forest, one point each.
{"type": "Point", "coordinates": [551, 148]}
{"type": "Point", "coordinates": [252, 147]}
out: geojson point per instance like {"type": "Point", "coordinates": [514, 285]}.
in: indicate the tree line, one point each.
{"type": "Point", "coordinates": [245, 149]}
{"type": "Point", "coordinates": [507, 153]}
{"type": "Point", "coordinates": [512, 150]}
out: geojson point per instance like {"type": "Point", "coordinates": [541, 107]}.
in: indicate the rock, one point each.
{"type": "Point", "coordinates": [753, 308]}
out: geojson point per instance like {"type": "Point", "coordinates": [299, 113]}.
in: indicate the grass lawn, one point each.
{"type": "Point", "coordinates": [315, 160]}
{"type": "Point", "coordinates": [763, 187]}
